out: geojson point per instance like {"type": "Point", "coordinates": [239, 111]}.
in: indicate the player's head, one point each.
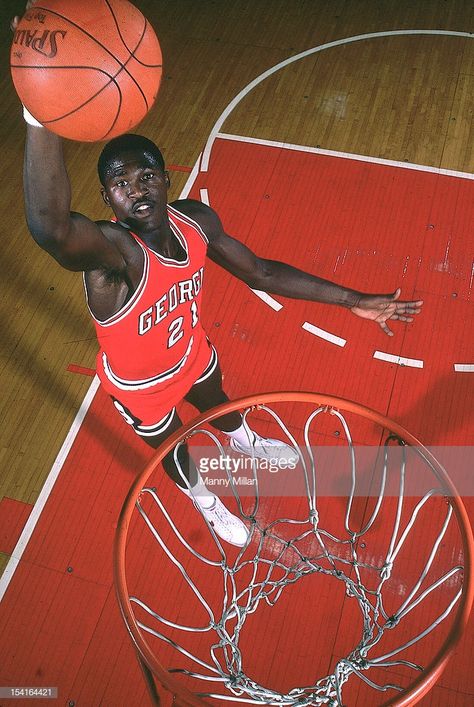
{"type": "Point", "coordinates": [134, 181]}
{"type": "Point", "coordinates": [116, 148]}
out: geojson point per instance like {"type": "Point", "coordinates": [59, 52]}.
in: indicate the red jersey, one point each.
{"type": "Point", "coordinates": [155, 343]}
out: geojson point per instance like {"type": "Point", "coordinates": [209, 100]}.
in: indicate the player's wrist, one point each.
{"type": "Point", "coordinates": [31, 120]}
{"type": "Point", "coordinates": [353, 299]}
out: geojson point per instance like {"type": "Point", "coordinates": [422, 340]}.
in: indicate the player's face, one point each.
{"type": "Point", "coordinates": [136, 190]}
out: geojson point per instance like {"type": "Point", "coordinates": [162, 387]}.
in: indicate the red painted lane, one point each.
{"type": "Point", "coordinates": [13, 516]}
{"type": "Point", "coordinates": [74, 368]}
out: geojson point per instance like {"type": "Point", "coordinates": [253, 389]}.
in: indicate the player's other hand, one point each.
{"type": "Point", "coordinates": [381, 308]}
{"type": "Point", "coordinates": [17, 18]}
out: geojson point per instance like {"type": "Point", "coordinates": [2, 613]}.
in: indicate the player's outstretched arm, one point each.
{"type": "Point", "coordinates": [282, 279]}
{"type": "Point", "coordinates": [75, 241]}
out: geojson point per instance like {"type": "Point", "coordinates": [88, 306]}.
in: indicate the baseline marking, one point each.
{"type": "Point", "coordinates": [346, 155]}
{"type": "Point", "coordinates": [323, 334]}
{"type": "Point", "coordinates": [400, 360]}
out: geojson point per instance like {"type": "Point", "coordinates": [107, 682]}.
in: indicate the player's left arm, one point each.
{"type": "Point", "coordinates": [279, 278]}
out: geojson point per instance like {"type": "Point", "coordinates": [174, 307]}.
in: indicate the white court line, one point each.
{"type": "Point", "coordinates": [400, 360]}
{"type": "Point", "coordinates": [268, 299]}
{"type": "Point", "coordinates": [322, 334]}
{"type": "Point", "coordinates": [53, 475]}
{"type": "Point", "coordinates": [204, 194]}
{"type": "Point", "coordinates": [464, 367]}
{"type": "Point", "coordinates": [346, 155]}
{"type": "Point", "coordinates": [33, 518]}
{"type": "Point", "coordinates": [191, 179]}
{"type": "Point", "coordinates": [329, 45]}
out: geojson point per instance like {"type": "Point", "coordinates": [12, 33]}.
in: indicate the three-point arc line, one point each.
{"type": "Point", "coordinates": [323, 334]}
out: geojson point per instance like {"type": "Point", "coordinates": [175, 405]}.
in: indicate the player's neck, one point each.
{"type": "Point", "coordinates": [162, 240]}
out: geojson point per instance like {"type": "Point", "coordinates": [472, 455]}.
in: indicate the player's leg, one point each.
{"type": "Point", "coordinates": [155, 434]}
{"type": "Point", "coordinates": [182, 470]}
{"type": "Point", "coordinates": [207, 392]}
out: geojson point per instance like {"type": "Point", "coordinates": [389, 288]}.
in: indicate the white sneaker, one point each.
{"type": "Point", "coordinates": [225, 524]}
{"type": "Point", "coordinates": [264, 448]}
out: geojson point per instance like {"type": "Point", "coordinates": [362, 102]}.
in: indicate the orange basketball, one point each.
{"type": "Point", "coordinates": [86, 70]}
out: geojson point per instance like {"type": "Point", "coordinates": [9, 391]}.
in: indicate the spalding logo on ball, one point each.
{"type": "Point", "coordinates": [86, 70]}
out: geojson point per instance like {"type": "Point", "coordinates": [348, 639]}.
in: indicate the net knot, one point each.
{"type": "Point", "coordinates": [386, 570]}
{"type": "Point", "coordinates": [392, 621]}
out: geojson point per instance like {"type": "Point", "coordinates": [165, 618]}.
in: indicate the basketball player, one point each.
{"type": "Point", "coordinates": [143, 277]}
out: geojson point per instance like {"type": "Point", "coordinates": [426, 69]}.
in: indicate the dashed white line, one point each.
{"type": "Point", "coordinates": [203, 193]}
{"type": "Point", "coordinates": [400, 360]}
{"type": "Point", "coordinates": [464, 367]}
{"type": "Point", "coordinates": [323, 334]}
{"type": "Point", "coordinates": [265, 297]}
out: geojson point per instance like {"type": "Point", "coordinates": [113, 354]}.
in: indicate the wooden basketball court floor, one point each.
{"type": "Point", "coordinates": [354, 162]}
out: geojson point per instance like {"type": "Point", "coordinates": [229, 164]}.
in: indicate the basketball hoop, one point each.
{"type": "Point", "coordinates": [352, 509]}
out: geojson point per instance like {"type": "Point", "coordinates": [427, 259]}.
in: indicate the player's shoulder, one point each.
{"type": "Point", "coordinates": [201, 213]}
{"type": "Point", "coordinates": [114, 231]}
{"type": "Point", "coordinates": [192, 208]}
{"type": "Point", "coordinates": [119, 234]}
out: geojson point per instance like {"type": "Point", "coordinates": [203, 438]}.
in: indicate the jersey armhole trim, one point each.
{"type": "Point", "coordinates": [190, 222]}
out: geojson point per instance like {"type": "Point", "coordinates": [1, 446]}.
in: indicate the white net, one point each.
{"type": "Point", "coordinates": [376, 518]}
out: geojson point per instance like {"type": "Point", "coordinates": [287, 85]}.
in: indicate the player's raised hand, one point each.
{"type": "Point", "coordinates": [381, 308]}
{"type": "Point", "coordinates": [17, 18]}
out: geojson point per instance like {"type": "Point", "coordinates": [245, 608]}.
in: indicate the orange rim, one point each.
{"type": "Point", "coordinates": [182, 695]}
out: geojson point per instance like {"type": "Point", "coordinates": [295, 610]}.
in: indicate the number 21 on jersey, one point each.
{"type": "Point", "coordinates": [175, 329]}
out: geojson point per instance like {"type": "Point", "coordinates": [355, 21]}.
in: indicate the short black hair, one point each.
{"type": "Point", "coordinates": [124, 143]}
